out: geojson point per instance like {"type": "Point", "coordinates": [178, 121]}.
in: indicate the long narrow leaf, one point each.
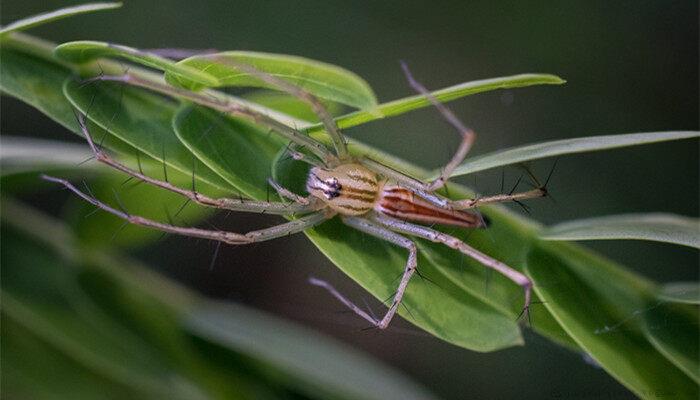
{"type": "Point", "coordinates": [656, 227]}
{"type": "Point", "coordinates": [673, 330]}
{"type": "Point", "coordinates": [681, 292]}
{"type": "Point", "coordinates": [85, 50]}
{"type": "Point", "coordinates": [601, 307]}
{"type": "Point", "coordinates": [566, 146]}
{"type": "Point", "coordinates": [406, 104]}
{"type": "Point", "coordinates": [23, 153]}
{"type": "Point", "coordinates": [113, 317]}
{"type": "Point", "coordinates": [325, 367]}
{"type": "Point", "coordinates": [51, 16]}
{"type": "Point", "coordinates": [321, 79]}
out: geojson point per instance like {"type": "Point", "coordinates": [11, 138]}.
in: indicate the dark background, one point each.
{"type": "Point", "coordinates": [631, 66]}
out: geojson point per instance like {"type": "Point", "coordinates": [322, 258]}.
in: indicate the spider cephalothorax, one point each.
{"type": "Point", "coordinates": [368, 195]}
{"type": "Point", "coordinates": [349, 189]}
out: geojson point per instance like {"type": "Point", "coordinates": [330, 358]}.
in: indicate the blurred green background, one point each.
{"type": "Point", "coordinates": [631, 66]}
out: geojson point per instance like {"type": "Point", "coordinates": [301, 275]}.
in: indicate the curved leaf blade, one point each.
{"type": "Point", "coordinates": [672, 329]}
{"type": "Point", "coordinates": [141, 119]}
{"type": "Point", "coordinates": [406, 104]}
{"type": "Point", "coordinates": [327, 368]}
{"type": "Point", "coordinates": [47, 17]}
{"type": "Point", "coordinates": [232, 148]}
{"type": "Point", "coordinates": [658, 227]}
{"type": "Point", "coordinates": [566, 146]}
{"type": "Point", "coordinates": [19, 154]}
{"type": "Point", "coordinates": [190, 347]}
{"type": "Point", "coordinates": [599, 306]}
{"type": "Point", "coordinates": [83, 51]}
{"type": "Point", "coordinates": [324, 80]}
{"type": "Point", "coordinates": [681, 292]}
{"type": "Point", "coordinates": [39, 82]}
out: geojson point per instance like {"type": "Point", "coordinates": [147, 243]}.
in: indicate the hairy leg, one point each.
{"type": "Point", "coordinates": [284, 229]}
{"type": "Point", "coordinates": [337, 138]}
{"type": "Point", "coordinates": [438, 237]}
{"type": "Point", "coordinates": [224, 203]}
{"type": "Point", "coordinates": [380, 232]}
{"type": "Point", "coordinates": [468, 136]}
{"type": "Point", "coordinates": [223, 104]}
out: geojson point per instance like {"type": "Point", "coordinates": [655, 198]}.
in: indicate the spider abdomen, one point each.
{"type": "Point", "coordinates": [349, 189]}
{"type": "Point", "coordinates": [398, 202]}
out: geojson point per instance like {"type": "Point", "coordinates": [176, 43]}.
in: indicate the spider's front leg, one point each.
{"type": "Point", "coordinates": [301, 204]}
{"type": "Point", "coordinates": [380, 232]}
{"type": "Point", "coordinates": [284, 229]}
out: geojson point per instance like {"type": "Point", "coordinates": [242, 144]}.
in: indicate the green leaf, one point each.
{"type": "Point", "coordinates": [40, 294]}
{"type": "Point", "coordinates": [20, 154]}
{"type": "Point", "coordinates": [599, 305]}
{"type": "Point", "coordinates": [566, 146]}
{"type": "Point", "coordinates": [33, 369]}
{"type": "Point", "coordinates": [681, 292]}
{"type": "Point", "coordinates": [124, 327]}
{"type": "Point", "coordinates": [325, 369]}
{"type": "Point", "coordinates": [102, 230]}
{"type": "Point", "coordinates": [658, 227]}
{"type": "Point", "coordinates": [509, 242]}
{"type": "Point", "coordinates": [234, 149]}
{"type": "Point", "coordinates": [406, 104]}
{"type": "Point", "coordinates": [141, 119]}
{"type": "Point", "coordinates": [38, 81]}
{"type": "Point", "coordinates": [673, 330]}
{"type": "Point", "coordinates": [323, 80]}
{"type": "Point", "coordinates": [85, 50]}
{"type": "Point", "coordinates": [289, 105]}
{"type": "Point", "coordinates": [45, 18]}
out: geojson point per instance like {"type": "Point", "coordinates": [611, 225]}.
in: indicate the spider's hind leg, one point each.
{"type": "Point", "coordinates": [439, 237]}
{"type": "Point", "coordinates": [380, 232]}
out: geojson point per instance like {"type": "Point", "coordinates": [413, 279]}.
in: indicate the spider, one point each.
{"type": "Point", "coordinates": [364, 193]}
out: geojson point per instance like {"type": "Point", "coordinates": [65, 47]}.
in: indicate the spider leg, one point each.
{"type": "Point", "coordinates": [326, 118]}
{"type": "Point", "coordinates": [378, 231]}
{"type": "Point", "coordinates": [499, 198]}
{"type": "Point", "coordinates": [225, 203]}
{"type": "Point", "coordinates": [288, 194]}
{"type": "Point", "coordinates": [225, 105]}
{"type": "Point", "coordinates": [540, 190]}
{"type": "Point", "coordinates": [439, 237]}
{"type": "Point", "coordinates": [284, 229]}
{"type": "Point", "coordinates": [468, 136]}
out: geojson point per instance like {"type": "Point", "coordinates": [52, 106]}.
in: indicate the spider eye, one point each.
{"type": "Point", "coordinates": [334, 188]}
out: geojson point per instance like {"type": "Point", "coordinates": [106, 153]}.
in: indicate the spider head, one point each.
{"type": "Point", "coordinates": [349, 189]}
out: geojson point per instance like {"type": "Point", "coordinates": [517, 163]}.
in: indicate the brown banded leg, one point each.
{"type": "Point", "coordinates": [367, 226]}
{"type": "Point", "coordinates": [278, 208]}
{"type": "Point", "coordinates": [438, 237]}
{"type": "Point", "coordinates": [284, 229]}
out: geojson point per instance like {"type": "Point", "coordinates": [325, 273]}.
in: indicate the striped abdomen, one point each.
{"type": "Point", "coordinates": [401, 203]}
{"type": "Point", "coordinates": [349, 189]}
